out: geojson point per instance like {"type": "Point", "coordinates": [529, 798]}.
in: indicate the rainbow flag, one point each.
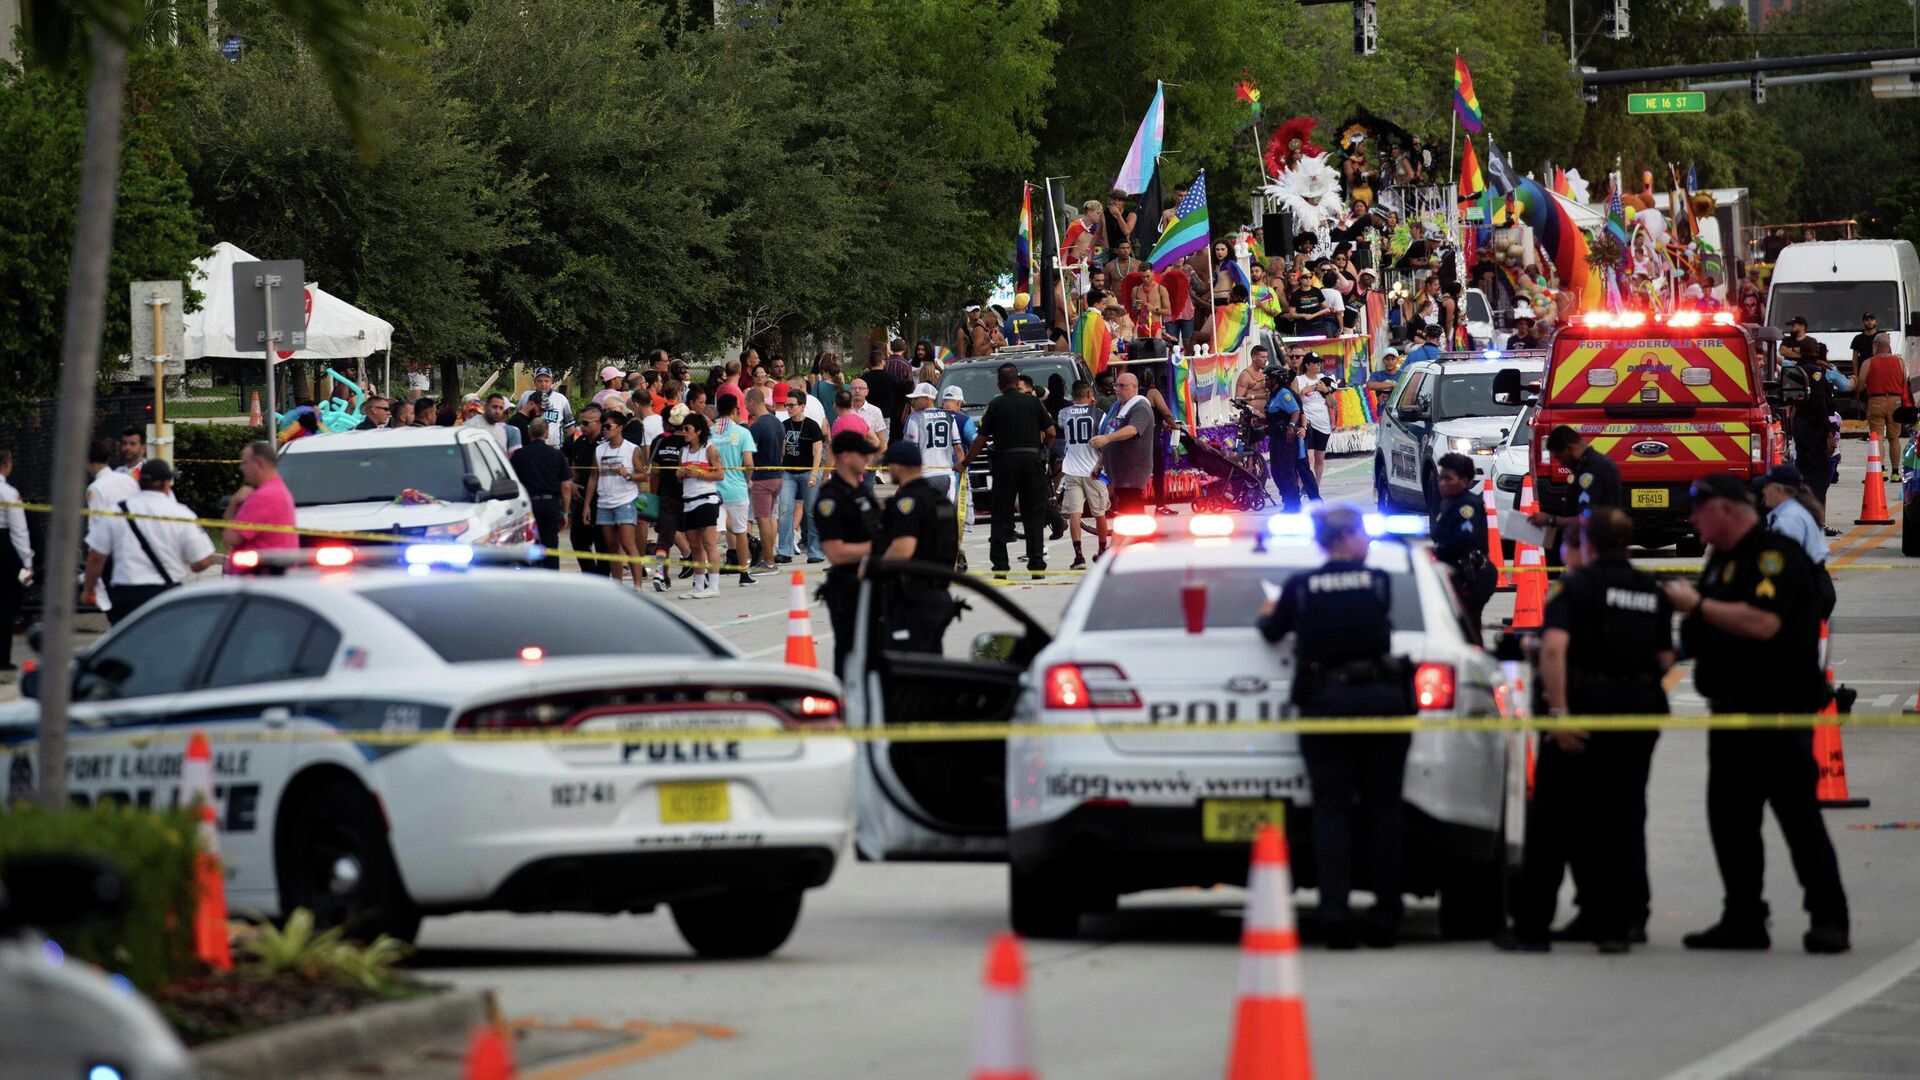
{"type": "Point", "coordinates": [1137, 170]}
{"type": "Point", "coordinates": [1257, 250]}
{"type": "Point", "coordinates": [1023, 245]}
{"type": "Point", "coordinates": [1231, 325]}
{"type": "Point", "coordinates": [1472, 180]}
{"type": "Point", "coordinates": [1093, 341]}
{"type": "Point", "coordinates": [1183, 389]}
{"type": "Point", "coordinates": [1465, 104]}
{"type": "Point", "coordinates": [1187, 235]}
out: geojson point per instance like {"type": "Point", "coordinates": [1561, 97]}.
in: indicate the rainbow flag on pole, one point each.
{"type": "Point", "coordinates": [1137, 170]}
{"type": "Point", "coordinates": [1472, 180]}
{"type": "Point", "coordinates": [1464, 101]}
{"type": "Point", "coordinates": [1023, 245]}
{"type": "Point", "coordinates": [1187, 235]}
{"type": "Point", "coordinates": [1183, 389]}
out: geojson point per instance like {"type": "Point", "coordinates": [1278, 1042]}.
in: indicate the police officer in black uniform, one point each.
{"type": "Point", "coordinates": [847, 517]}
{"type": "Point", "coordinates": [1460, 538]}
{"type": "Point", "coordinates": [1752, 627]}
{"type": "Point", "coordinates": [1021, 430]}
{"type": "Point", "coordinates": [1343, 667]}
{"type": "Point", "coordinates": [921, 526]}
{"type": "Point", "coordinates": [1606, 641]}
{"type": "Point", "coordinates": [579, 450]}
{"type": "Point", "coordinates": [1596, 482]}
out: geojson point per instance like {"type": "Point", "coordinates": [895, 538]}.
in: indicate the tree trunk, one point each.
{"type": "Point", "coordinates": [79, 367]}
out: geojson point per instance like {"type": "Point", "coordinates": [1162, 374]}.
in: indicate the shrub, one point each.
{"type": "Point", "coordinates": [152, 940]}
{"type": "Point", "coordinates": [204, 456]}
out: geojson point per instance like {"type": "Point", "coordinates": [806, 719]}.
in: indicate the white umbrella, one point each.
{"type": "Point", "coordinates": [336, 330]}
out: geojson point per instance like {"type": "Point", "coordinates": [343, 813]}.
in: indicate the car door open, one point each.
{"type": "Point", "coordinates": [923, 798]}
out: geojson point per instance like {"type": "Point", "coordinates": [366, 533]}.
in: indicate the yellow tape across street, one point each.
{"type": "Point", "coordinates": [926, 732]}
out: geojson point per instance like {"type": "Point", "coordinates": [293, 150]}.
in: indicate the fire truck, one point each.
{"type": "Point", "coordinates": [1669, 398]}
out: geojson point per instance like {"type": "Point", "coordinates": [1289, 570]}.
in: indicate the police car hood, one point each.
{"type": "Point", "coordinates": [1476, 427]}
{"type": "Point", "coordinates": [379, 516]}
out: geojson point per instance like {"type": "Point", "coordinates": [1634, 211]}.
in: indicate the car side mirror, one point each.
{"type": "Point", "coordinates": [1414, 411]}
{"type": "Point", "coordinates": [1506, 386]}
{"type": "Point", "coordinates": [995, 648]}
{"type": "Point", "coordinates": [504, 488]}
{"type": "Point", "coordinates": [109, 670]}
{"type": "Point", "coordinates": [472, 482]}
{"type": "Point", "coordinates": [1768, 333]}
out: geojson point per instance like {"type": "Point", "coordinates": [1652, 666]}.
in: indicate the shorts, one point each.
{"type": "Point", "coordinates": [706, 515]}
{"type": "Point", "coordinates": [1083, 495]}
{"type": "Point", "coordinates": [623, 514]}
{"type": "Point", "coordinates": [1317, 440]}
{"type": "Point", "coordinates": [669, 520]}
{"type": "Point", "coordinates": [762, 495]}
{"type": "Point", "coordinates": [737, 517]}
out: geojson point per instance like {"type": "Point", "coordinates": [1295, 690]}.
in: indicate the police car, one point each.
{"type": "Point", "coordinates": [727, 824]}
{"type": "Point", "coordinates": [418, 483]}
{"type": "Point", "coordinates": [1161, 633]}
{"type": "Point", "coordinates": [1443, 406]}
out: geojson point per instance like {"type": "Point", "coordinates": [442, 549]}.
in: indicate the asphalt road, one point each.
{"type": "Point", "coordinates": [881, 978]}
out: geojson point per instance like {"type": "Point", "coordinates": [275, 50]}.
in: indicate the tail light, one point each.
{"type": "Point", "coordinates": [813, 708]}
{"type": "Point", "coordinates": [1088, 686]}
{"type": "Point", "coordinates": [1433, 686]}
{"type": "Point", "coordinates": [1755, 443]}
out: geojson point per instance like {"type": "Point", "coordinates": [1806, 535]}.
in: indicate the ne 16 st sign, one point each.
{"type": "Point", "coordinates": [1678, 101]}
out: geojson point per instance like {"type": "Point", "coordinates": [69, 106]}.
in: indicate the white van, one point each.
{"type": "Point", "coordinates": [1833, 283]}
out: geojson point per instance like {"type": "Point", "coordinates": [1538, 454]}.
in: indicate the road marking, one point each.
{"type": "Point", "coordinates": [1771, 1037]}
{"type": "Point", "coordinates": [1884, 700]}
{"type": "Point", "coordinates": [1881, 535]}
{"type": "Point", "coordinates": [655, 1041]}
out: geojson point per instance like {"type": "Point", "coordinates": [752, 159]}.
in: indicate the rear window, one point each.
{"type": "Point", "coordinates": [981, 382]}
{"type": "Point", "coordinates": [465, 621]}
{"type": "Point", "coordinates": [1150, 600]}
{"type": "Point", "coordinates": [1619, 373]}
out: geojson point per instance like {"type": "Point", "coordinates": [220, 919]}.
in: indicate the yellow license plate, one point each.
{"type": "Point", "coordinates": [684, 803]}
{"type": "Point", "coordinates": [1650, 498]}
{"type": "Point", "coordinates": [1234, 821]}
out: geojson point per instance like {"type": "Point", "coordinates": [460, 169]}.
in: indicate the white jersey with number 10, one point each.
{"type": "Point", "coordinates": [938, 433]}
{"type": "Point", "coordinates": [1078, 425]}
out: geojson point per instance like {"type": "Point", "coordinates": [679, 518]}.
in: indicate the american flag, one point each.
{"type": "Point", "coordinates": [1196, 196]}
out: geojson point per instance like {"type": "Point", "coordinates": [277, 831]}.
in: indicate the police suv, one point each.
{"type": "Point", "coordinates": [665, 780]}
{"type": "Point", "coordinates": [415, 483]}
{"type": "Point", "coordinates": [1160, 635]}
{"type": "Point", "coordinates": [1443, 406]}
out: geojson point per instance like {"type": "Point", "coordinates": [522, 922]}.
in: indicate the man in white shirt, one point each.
{"type": "Point", "coordinates": [815, 411]}
{"type": "Point", "coordinates": [149, 556]}
{"type": "Point", "coordinates": [16, 560]}
{"type": "Point", "coordinates": [493, 420]}
{"type": "Point", "coordinates": [876, 420]}
{"type": "Point", "coordinates": [554, 407]}
{"type": "Point", "coordinates": [106, 486]}
{"type": "Point", "coordinates": [938, 434]}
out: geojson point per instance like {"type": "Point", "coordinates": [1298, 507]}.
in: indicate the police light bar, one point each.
{"type": "Point", "coordinates": [1135, 526]}
{"type": "Point", "coordinates": [1378, 526]}
{"type": "Point", "coordinates": [419, 558]}
{"type": "Point", "coordinates": [1627, 320]}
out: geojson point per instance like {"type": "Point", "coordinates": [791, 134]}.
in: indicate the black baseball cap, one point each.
{"type": "Point", "coordinates": [902, 453]}
{"type": "Point", "coordinates": [1784, 473]}
{"type": "Point", "coordinates": [851, 442]}
{"type": "Point", "coordinates": [1718, 486]}
{"type": "Point", "coordinates": [1797, 320]}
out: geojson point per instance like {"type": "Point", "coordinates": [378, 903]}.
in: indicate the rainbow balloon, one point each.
{"type": "Point", "coordinates": [1555, 231]}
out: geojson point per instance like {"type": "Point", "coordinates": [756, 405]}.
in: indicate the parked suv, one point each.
{"type": "Point", "coordinates": [978, 378]}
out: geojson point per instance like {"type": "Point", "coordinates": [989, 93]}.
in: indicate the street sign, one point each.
{"type": "Point", "coordinates": [288, 280]}
{"type": "Point", "coordinates": [231, 47]}
{"type": "Point", "coordinates": [140, 352]}
{"type": "Point", "coordinates": [1674, 101]}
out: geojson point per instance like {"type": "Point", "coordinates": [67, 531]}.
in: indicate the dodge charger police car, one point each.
{"type": "Point", "coordinates": [691, 799]}
{"type": "Point", "coordinates": [1160, 634]}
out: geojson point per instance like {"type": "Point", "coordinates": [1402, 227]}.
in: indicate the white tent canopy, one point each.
{"type": "Point", "coordinates": [336, 330]}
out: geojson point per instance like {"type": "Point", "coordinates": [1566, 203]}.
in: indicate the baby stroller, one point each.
{"type": "Point", "coordinates": [1232, 485]}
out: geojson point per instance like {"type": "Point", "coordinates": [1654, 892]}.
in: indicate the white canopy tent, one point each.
{"type": "Point", "coordinates": [336, 330]}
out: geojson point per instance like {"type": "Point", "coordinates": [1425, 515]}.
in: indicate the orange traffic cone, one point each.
{"type": "Point", "coordinates": [489, 1056]}
{"type": "Point", "coordinates": [1873, 506]}
{"type": "Point", "coordinates": [1490, 506]}
{"type": "Point", "coordinates": [1828, 753]}
{"type": "Point", "coordinates": [1270, 1020]}
{"type": "Point", "coordinates": [1530, 589]}
{"type": "Point", "coordinates": [210, 941]}
{"type": "Point", "coordinates": [800, 626]}
{"type": "Point", "coordinates": [253, 418]}
{"type": "Point", "coordinates": [1002, 1048]}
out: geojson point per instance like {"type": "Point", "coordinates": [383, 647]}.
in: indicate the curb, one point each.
{"type": "Point", "coordinates": [332, 1043]}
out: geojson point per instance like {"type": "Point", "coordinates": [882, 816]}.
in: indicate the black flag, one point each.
{"type": "Point", "coordinates": [1146, 226]}
{"type": "Point", "coordinates": [1048, 302]}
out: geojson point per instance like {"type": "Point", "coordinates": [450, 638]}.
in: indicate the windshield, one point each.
{"type": "Point", "coordinates": [1150, 600]}
{"type": "Point", "coordinates": [1477, 308]}
{"type": "Point", "coordinates": [376, 474]}
{"type": "Point", "coordinates": [1467, 394]}
{"type": "Point", "coordinates": [1832, 307]}
{"type": "Point", "coordinates": [587, 622]}
{"type": "Point", "coordinates": [981, 382]}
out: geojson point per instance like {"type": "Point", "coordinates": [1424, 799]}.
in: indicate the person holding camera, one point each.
{"type": "Point", "coordinates": [550, 405]}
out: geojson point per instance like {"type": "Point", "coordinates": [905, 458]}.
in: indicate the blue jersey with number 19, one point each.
{"type": "Point", "coordinates": [937, 432]}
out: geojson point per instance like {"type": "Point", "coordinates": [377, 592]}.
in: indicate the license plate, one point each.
{"type": "Point", "coordinates": [1234, 821]}
{"type": "Point", "coordinates": [1650, 498]}
{"type": "Point", "coordinates": [684, 803]}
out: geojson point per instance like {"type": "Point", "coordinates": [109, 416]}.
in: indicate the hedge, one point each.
{"type": "Point", "coordinates": [204, 456]}
{"type": "Point", "coordinates": [152, 941]}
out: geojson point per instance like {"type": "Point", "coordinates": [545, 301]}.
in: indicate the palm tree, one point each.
{"type": "Point", "coordinates": [345, 40]}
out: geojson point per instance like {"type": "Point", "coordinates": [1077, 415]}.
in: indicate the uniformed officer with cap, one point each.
{"type": "Point", "coordinates": [1752, 628]}
{"type": "Point", "coordinates": [1596, 482]}
{"type": "Point", "coordinates": [1021, 431]}
{"type": "Point", "coordinates": [1460, 538]}
{"type": "Point", "coordinates": [847, 517]}
{"type": "Point", "coordinates": [1344, 667]}
{"type": "Point", "coordinates": [1606, 642]}
{"type": "Point", "coordinates": [919, 526]}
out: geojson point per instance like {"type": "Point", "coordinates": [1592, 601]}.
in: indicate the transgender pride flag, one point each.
{"type": "Point", "coordinates": [1137, 170]}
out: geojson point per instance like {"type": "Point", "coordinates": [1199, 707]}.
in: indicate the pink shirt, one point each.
{"type": "Point", "coordinates": [852, 422]}
{"type": "Point", "coordinates": [729, 388]}
{"type": "Point", "coordinates": [270, 504]}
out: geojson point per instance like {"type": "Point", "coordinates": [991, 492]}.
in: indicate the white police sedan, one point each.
{"type": "Point", "coordinates": [728, 825]}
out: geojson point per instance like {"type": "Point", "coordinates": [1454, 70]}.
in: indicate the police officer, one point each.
{"type": "Point", "coordinates": [1752, 628]}
{"type": "Point", "coordinates": [1343, 668]}
{"type": "Point", "coordinates": [847, 517]}
{"type": "Point", "coordinates": [1606, 641]}
{"type": "Point", "coordinates": [1460, 538]}
{"type": "Point", "coordinates": [579, 449]}
{"type": "Point", "coordinates": [1021, 430]}
{"type": "Point", "coordinates": [919, 526]}
{"type": "Point", "coordinates": [1286, 423]}
{"type": "Point", "coordinates": [1596, 482]}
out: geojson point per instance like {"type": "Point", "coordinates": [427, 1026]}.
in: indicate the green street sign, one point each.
{"type": "Point", "coordinates": [1678, 101]}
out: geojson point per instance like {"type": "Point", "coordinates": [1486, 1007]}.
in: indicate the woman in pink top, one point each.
{"type": "Point", "coordinates": [846, 419]}
{"type": "Point", "coordinates": [263, 499]}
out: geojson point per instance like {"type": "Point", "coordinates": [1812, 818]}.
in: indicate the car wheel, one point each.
{"type": "Point", "coordinates": [333, 860]}
{"type": "Point", "coordinates": [738, 924]}
{"type": "Point", "coordinates": [1382, 494]}
{"type": "Point", "coordinates": [1040, 904]}
{"type": "Point", "coordinates": [1470, 900]}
